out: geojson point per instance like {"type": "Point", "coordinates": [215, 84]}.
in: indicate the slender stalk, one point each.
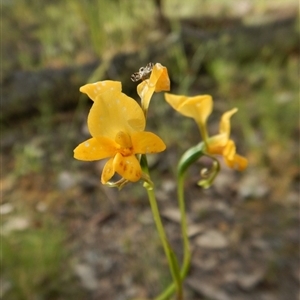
{"type": "Point", "coordinates": [184, 227]}
{"type": "Point", "coordinates": [186, 245]}
{"type": "Point", "coordinates": [172, 260]}
{"type": "Point", "coordinates": [187, 159]}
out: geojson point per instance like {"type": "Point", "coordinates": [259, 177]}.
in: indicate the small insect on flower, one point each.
{"type": "Point", "coordinates": [143, 73]}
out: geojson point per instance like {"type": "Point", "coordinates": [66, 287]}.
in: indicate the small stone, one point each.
{"type": "Point", "coordinates": [248, 281]}
{"type": "Point", "coordinates": [172, 214]}
{"type": "Point", "coordinates": [41, 207]}
{"type": "Point", "coordinates": [207, 290]}
{"type": "Point", "coordinates": [168, 185]}
{"type": "Point", "coordinates": [253, 186]}
{"type": "Point", "coordinates": [15, 224]}
{"type": "Point", "coordinates": [207, 264]}
{"type": "Point", "coordinates": [212, 239]}
{"type": "Point", "coordinates": [195, 229]}
{"type": "Point", "coordinates": [6, 208]}
{"type": "Point", "coordinates": [86, 275]}
{"type": "Point", "coordinates": [66, 180]}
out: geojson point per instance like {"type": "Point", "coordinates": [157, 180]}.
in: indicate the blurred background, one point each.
{"type": "Point", "coordinates": [63, 234]}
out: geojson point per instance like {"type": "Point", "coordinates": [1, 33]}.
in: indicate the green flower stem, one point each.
{"type": "Point", "coordinates": [186, 245]}
{"type": "Point", "coordinates": [172, 260]}
{"type": "Point", "coordinates": [184, 228]}
{"type": "Point", "coordinates": [188, 158]}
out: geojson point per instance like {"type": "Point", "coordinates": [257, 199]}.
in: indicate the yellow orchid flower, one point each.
{"type": "Point", "coordinates": [221, 144]}
{"type": "Point", "coordinates": [199, 108]}
{"type": "Point", "coordinates": [116, 123]}
{"type": "Point", "coordinates": [158, 81]}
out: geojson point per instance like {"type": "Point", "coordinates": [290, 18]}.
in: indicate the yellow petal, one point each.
{"type": "Point", "coordinates": [159, 78]}
{"type": "Point", "coordinates": [108, 171]}
{"type": "Point", "coordinates": [217, 143]}
{"type": "Point", "coordinates": [128, 167]}
{"type": "Point", "coordinates": [175, 100]}
{"type": "Point", "coordinates": [225, 121]}
{"type": "Point", "coordinates": [145, 92]}
{"type": "Point", "coordinates": [198, 107]}
{"type": "Point", "coordinates": [158, 81]}
{"type": "Point", "coordinates": [239, 163]}
{"type": "Point", "coordinates": [114, 112]}
{"type": "Point", "coordinates": [232, 159]}
{"type": "Point", "coordinates": [229, 150]}
{"type": "Point", "coordinates": [142, 88]}
{"type": "Point", "coordinates": [97, 88]}
{"type": "Point", "coordinates": [95, 149]}
{"type": "Point", "coordinates": [123, 139]}
{"type": "Point", "coordinates": [147, 142]}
